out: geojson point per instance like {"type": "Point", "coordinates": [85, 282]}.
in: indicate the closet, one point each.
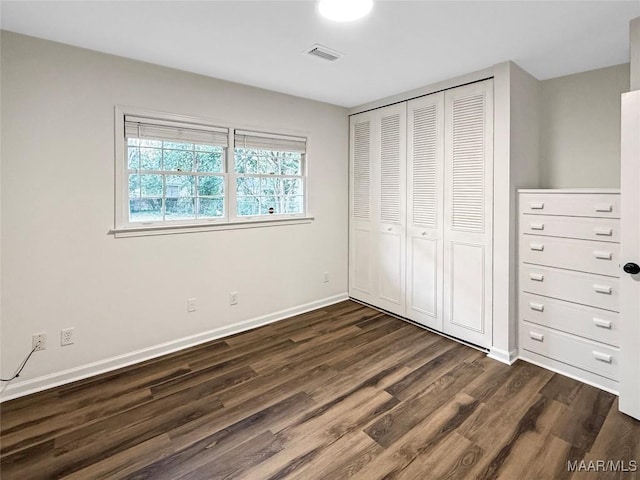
{"type": "Point", "coordinates": [421, 183]}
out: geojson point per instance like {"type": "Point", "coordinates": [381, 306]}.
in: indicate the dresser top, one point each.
{"type": "Point", "coordinates": [539, 191]}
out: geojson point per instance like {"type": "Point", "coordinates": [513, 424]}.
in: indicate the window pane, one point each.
{"type": "Point", "coordinates": [210, 207]}
{"type": "Point", "coordinates": [291, 186]}
{"type": "Point", "coordinates": [145, 209]}
{"type": "Point", "coordinates": [178, 145]}
{"type": "Point", "coordinates": [268, 206]}
{"type": "Point", "coordinates": [268, 163]}
{"type": "Point", "coordinates": [271, 186]}
{"type": "Point", "coordinates": [293, 204]}
{"type": "Point", "coordinates": [180, 208]}
{"type": "Point", "coordinates": [210, 161]}
{"type": "Point", "coordinates": [151, 185]}
{"type": "Point", "coordinates": [177, 160]}
{"type": "Point", "coordinates": [248, 206]}
{"type": "Point", "coordinates": [246, 161]}
{"type": "Point", "coordinates": [248, 186]}
{"type": "Point", "coordinates": [134, 158]}
{"type": "Point", "coordinates": [180, 186]}
{"type": "Point", "coordinates": [210, 186]}
{"type": "Point", "coordinates": [134, 186]}
{"type": "Point", "coordinates": [292, 164]}
{"type": "Point", "coordinates": [239, 161]}
{"type": "Point", "coordinates": [133, 141]}
{"type": "Point", "coordinates": [150, 158]}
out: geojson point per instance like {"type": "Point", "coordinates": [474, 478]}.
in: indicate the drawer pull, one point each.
{"type": "Point", "coordinates": [536, 205]}
{"type": "Point", "coordinates": [603, 289]}
{"type": "Point", "coordinates": [537, 246]}
{"type": "Point", "coordinates": [602, 357]}
{"type": "Point", "coordinates": [538, 307]}
{"type": "Point", "coordinates": [599, 322]}
{"type": "Point", "coordinates": [424, 234]}
{"type": "Point", "coordinates": [605, 232]}
{"type": "Point", "coordinates": [536, 226]}
{"type": "Point", "coordinates": [538, 337]}
{"type": "Point", "coordinates": [604, 207]}
{"type": "Point", "coordinates": [601, 254]}
{"type": "Point", "coordinates": [538, 277]}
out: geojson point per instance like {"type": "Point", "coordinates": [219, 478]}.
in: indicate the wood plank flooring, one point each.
{"type": "Point", "coordinates": [340, 392]}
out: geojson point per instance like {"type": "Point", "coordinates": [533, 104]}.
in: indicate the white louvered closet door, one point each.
{"type": "Point", "coordinates": [425, 206]}
{"type": "Point", "coordinates": [361, 216]}
{"type": "Point", "coordinates": [391, 207]}
{"type": "Point", "coordinates": [468, 213]}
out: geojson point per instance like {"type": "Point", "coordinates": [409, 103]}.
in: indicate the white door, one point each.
{"type": "Point", "coordinates": [391, 207]}
{"type": "Point", "coordinates": [630, 256]}
{"type": "Point", "coordinates": [361, 235]}
{"type": "Point", "coordinates": [468, 213]}
{"type": "Point", "coordinates": [425, 207]}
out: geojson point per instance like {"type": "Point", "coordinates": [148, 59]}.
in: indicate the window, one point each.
{"type": "Point", "coordinates": [176, 171]}
{"type": "Point", "coordinates": [269, 174]}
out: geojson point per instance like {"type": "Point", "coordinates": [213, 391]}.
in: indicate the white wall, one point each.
{"type": "Point", "coordinates": [516, 123]}
{"type": "Point", "coordinates": [61, 268]}
{"type": "Point", "coordinates": [580, 128]}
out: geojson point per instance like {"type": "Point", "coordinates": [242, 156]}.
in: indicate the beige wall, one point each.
{"type": "Point", "coordinates": [580, 128]}
{"type": "Point", "coordinates": [634, 54]}
{"type": "Point", "coordinates": [127, 297]}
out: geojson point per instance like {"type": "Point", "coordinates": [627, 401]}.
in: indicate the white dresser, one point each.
{"type": "Point", "coordinates": [569, 283]}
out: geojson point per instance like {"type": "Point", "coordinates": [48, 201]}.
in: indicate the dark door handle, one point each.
{"type": "Point", "coordinates": [631, 268]}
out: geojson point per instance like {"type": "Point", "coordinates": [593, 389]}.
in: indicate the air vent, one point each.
{"type": "Point", "coordinates": [324, 53]}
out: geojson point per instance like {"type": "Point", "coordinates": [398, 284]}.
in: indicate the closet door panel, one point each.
{"type": "Point", "coordinates": [390, 208]}
{"type": "Point", "coordinates": [468, 212]}
{"type": "Point", "coordinates": [422, 287]}
{"type": "Point", "coordinates": [425, 204]}
{"type": "Point", "coordinates": [467, 287]}
{"type": "Point", "coordinates": [362, 236]}
{"type": "Point", "coordinates": [391, 268]}
{"type": "Point", "coordinates": [361, 145]}
{"type": "Point", "coordinates": [361, 255]}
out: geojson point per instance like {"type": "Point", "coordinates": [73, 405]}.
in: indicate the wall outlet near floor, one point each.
{"type": "Point", "coordinates": [66, 337]}
{"type": "Point", "coordinates": [39, 340]}
{"type": "Point", "coordinates": [191, 305]}
{"type": "Point", "coordinates": [326, 277]}
{"type": "Point", "coordinates": [233, 298]}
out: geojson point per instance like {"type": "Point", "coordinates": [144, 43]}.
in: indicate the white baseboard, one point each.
{"type": "Point", "coordinates": [89, 370]}
{"type": "Point", "coordinates": [503, 356]}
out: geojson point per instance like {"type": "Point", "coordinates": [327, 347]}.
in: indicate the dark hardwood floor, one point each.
{"type": "Point", "coordinates": [341, 392]}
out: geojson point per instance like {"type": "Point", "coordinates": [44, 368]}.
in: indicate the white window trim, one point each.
{"type": "Point", "coordinates": [123, 228]}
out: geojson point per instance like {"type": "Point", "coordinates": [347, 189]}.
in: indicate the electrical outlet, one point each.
{"type": "Point", "coordinates": [326, 277]}
{"type": "Point", "coordinates": [39, 341]}
{"type": "Point", "coordinates": [233, 298]}
{"type": "Point", "coordinates": [191, 305]}
{"type": "Point", "coordinates": [66, 337]}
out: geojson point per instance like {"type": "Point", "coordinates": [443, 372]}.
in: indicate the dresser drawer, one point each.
{"type": "Point", "coordinates": [590, 356]}
{"type": "Point", "coordinates": [585, 288]}
{"type": "Point", "coordinates": [581, 255]}
{"type": "Point", "coordinates": [575, 204]}
{"type": "Point", "coordinates": [601, 229]}
{"type": "Point", "coordinates": [593, 323]}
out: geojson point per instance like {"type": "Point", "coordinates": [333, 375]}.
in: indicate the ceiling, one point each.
{"type": "Point", "coordinates": [400, 46]}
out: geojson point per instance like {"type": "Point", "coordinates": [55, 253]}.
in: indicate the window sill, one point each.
{"type": "Point", "coordinates": [149, 230]}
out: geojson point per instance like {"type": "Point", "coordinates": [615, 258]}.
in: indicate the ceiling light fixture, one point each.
{"type": "Point", "coordinates": [344, 10]}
